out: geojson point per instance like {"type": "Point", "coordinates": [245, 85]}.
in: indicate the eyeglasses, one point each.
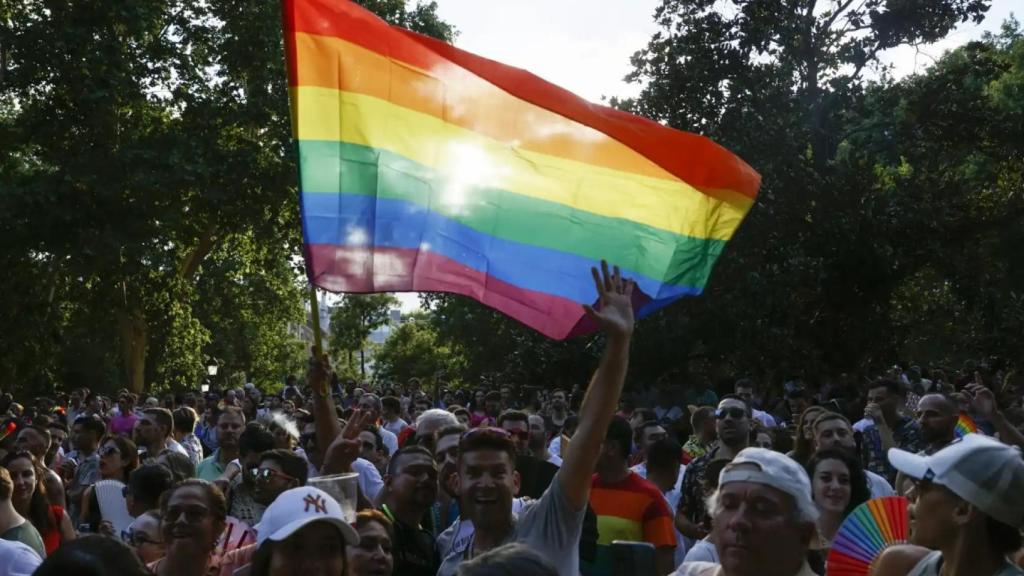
{"type": "Point", "coordinates": [138, 538]}
{"type": "Point", "coordinates": [107, 451]}
{"type": "Point", "coordinates": [264, 475]}
{"type": "Point", "coordinates": [734, 413]}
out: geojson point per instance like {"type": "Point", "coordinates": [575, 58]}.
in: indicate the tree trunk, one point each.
{"type": "Point", "coordinates": [134, 336]}
{"type": "Point", "coordinates": [362, 362]}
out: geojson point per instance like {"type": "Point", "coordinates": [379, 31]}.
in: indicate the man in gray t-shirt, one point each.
{"type": "Point", "coordinates": [551, 526]}
{"type": "Point", "coordinates": [487, 457]}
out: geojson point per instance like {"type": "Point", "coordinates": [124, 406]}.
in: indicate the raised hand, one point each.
{"type": "Point", "coordinates": [982, 399]}
{"type": "Point", "coordinates": [614, 312]}
{"type": "Point", "coordinates": [319, 374]}
{"type": "Point", "coordinates": [344, 449]}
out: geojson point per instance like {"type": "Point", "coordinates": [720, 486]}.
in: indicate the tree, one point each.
{"type": "Point", "coordinates": [413, 350]}
{"type": "Point", "coordinates": [150, 209]}
{"type": "Point", "coordinates": [354, 319]}
{"type": "Point", "coordinates": [877, 196]}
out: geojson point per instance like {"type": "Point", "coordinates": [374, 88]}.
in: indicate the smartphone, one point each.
{"type": "Point", "coordinates": [633, 558]}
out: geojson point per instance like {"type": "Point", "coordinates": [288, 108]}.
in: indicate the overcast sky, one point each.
{"type": "Point", "coordinates": [585, 45]}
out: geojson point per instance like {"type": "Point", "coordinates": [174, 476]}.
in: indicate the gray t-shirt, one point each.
{"type": "Point", "coordinates": [27, 534]}
{"type": "Point", "coordinates": [549, 526]}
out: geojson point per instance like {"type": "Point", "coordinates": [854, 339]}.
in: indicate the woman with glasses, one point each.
{"type": "Point", "coordinates": [372, 555]}
{"type": "Point", "coordinates": [194, 514]}
{"type": "Point", "coordinates": [118, 457]}
{"type": "Point", "coordinates": [144, 537]}
{"type": "Point", "coordinates": [29, 500]}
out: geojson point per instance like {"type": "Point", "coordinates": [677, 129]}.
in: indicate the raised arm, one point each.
{"type": "Point", "coordinates": [984, 402]}
{"type": "Point", "coordinates": [324, 416]}
{"type": "Point", "coordinates": [615, 316]}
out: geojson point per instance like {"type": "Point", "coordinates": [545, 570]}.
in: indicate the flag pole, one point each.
{"type": "Point", "coordinates": [314, 310]}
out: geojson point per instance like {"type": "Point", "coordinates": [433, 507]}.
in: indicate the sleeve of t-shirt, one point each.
{"type": "Point", "coordinates": [370, 481]}
{"type": "Point", "coordinates": [551, 523]}
{"type": "Point", "coordinates": [658, 526]}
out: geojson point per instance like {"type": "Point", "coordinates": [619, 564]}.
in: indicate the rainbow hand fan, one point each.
{"type": "Point", "coordinates": [870, 528]}
{"type": "Point", "coordinates": [965, 425]}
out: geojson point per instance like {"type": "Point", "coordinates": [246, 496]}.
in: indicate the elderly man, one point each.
{"type": "Point", "coordinates": [763, 518]}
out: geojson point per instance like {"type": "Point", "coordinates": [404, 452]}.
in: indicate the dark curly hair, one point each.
{"type": "Point", "coordinates": [859, 491]}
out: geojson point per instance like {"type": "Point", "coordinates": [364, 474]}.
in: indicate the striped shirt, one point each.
{"type": "Point", "coordinates": [633, 509]}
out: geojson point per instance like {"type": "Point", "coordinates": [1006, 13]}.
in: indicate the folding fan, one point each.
{"type": "Point", "coordinates": [865, 533]}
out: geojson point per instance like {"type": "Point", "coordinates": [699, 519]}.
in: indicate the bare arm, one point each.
{"type": "Point", "coordinates": [67, 531]}
{"type": "Point", "coordinates": [615, 316]}
{"type": "Point", "coordinates": [984, 401]}
{"type": "Point", "coordinates": [55, 490]}
{"type": "Point", "coordinates": [325, 417]}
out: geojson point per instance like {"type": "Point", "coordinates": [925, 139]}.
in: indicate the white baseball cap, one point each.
{"type": "Point", "coordinates": [778, 471]}
{"type": "Point", "coordinates": [983, 471]}
{"type": "Point", "coordinates": [293, 509]}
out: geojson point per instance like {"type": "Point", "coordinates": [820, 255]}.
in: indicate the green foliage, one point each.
{"type": "Point", "coordinates": [148, 177]}
{"type": "Point", "coordinates": [354, 319]}
{"type": "Point", "coordinates": [887, 215]}
{"type": "Point", "coordinates": [413, 350]}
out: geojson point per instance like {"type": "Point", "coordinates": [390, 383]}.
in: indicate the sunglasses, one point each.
{"type": "Point", "coordinates": [265, 474]}
{"type": "Point", "coordinates": [734, 413]}
{"type": "Point", "coordinates": [307, 438]}
{"type": "Point", "coordinates": [138, 538]}
{"type": "Point", "coordinates": [193, 514]}
{"type": "Point", "coordinates": [107, 451]}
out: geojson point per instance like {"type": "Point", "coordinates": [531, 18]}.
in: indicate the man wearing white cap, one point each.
{"type": "Point", "coordinates": [966, 512]}
{"type": "Point", "coordinates": [303, 533]}
{"type": "Point", "coordinates": [763, 518]}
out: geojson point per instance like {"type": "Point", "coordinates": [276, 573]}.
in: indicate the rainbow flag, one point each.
{"type": "Point", "coordinates": [965, 425]}
{"type": "Point", "coordinates": [426, 168]}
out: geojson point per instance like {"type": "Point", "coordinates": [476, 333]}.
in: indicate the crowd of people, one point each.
{"type": "Point", "coordinates": [692, 479]}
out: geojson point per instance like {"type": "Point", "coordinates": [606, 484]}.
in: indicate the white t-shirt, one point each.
{"type": "Point", "coordinates": [390, 440]}
{"type": "Point", "coordinates": [17, 559]}
{"type": "Point", "coordinates": [395, 427]}
{"type": "Point", "coordinates": [674, 413]}
{"type": "Point", "coordinates": [766, 419]}
{"type": "Point", "coordinates": [702, 551]}
{"type": "Point", "coordinates": [878, 486]}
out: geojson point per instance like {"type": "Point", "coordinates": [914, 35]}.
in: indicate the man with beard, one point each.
{"type": "Point", "coordinates": [539, 441]}
{"type": "Point", "coordinates": [732, 424]}
{"type": "Point", "coordinates": [488, 482]}
{"type": "Point", "coordinates": [230, 423]}
{"type": "Point", "coordinates": [410, 490]}
{"type": "Point", "coordinates": [833, 432]}
{"type": "Point", "coordinates": [153, 434]}
{"type": "Point", "coordinates": [888, 429]}
{"type": "Point", "coordinates": [558, 411]}
{"type": "Point", "coordinates": [936, 415]}
{"type": "Point", "coordinates": [535, 475]}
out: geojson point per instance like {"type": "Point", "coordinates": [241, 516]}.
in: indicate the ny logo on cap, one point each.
{"type": "Point", "coordinates": [317, 502]}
